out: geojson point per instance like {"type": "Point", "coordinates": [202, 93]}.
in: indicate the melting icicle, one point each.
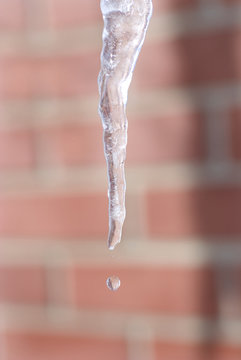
{"type": "Point", "coordinates": [113, 283]}
{"type": "Point", "coordinates": [125, 25]}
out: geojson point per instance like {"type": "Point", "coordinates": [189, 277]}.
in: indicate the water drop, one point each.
{"type": "Point", "coordinates": [113, 283]}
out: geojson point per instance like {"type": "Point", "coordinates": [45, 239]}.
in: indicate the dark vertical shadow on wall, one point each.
{"type": "Point", "coordinates": [211, 67]}
{"type": "Point", "coordinates": [209, 71]}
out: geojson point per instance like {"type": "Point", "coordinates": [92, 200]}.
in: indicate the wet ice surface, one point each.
{"type": "Point", "coordinates": [113, 283]}
{"type": "Point", "coordinates": [125, 25]}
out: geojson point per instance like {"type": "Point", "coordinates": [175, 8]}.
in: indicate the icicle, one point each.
{"type": "Point", "coordinates": [125, 25]}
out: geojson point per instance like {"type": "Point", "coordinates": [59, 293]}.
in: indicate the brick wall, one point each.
{"type": "Point", "coordinates": [179, 261]}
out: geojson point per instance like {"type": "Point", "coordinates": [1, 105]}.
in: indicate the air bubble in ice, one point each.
{"type": "Point", "coordinates": [108, 6]}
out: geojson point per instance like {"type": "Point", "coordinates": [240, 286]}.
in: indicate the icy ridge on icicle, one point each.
{"type": "Point", "coordinates": [125, 25]}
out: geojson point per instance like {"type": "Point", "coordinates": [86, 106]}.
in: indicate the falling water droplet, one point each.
{"type": "Point", "coordinates": [113, 283]}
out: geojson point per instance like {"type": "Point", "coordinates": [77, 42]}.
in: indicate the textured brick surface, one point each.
{"type": "Point", "coordinates": [67, 13]}
{"type": "Point", "coordinates": [61, 347]}
{"type": "Point", "coordinates": [22, 284]}
{"type": "Point", "coordinates": [235, 116]}
{"type": "Point", "coordinates": [11, 14]}
{"type": "Point", "coordinates": [73, 145]}
{"type": "Point", "coordinates": [25, 77]}
{"type": "Point", "coordinates": [211, 211]}
{"type": "Point", "coordinates": [197, 352]}
{"type": "Point", "coordinates": [169, 138]}
{"type": "Point", "coordinates": [173, 5]}
{"type": "Point", "coordinates": [183, 187]}
{"type": "Point", "coordinates": [60, 215]}
{"type": "Point", "coordinates": [185, 61]}
{"type": "Point", "coordinates": [191, 60]}
{"type": "Point", "coordinates": [16, 149]}
{"type": "Point", "coordinates": [230, 2]}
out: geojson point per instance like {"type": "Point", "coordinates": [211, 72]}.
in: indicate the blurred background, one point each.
{"type": "Point", "coordinates": [180, 258]}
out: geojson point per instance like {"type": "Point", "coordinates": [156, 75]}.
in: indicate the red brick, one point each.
{"type": "Point", "coordinates": [46, 76]}
{"type": "Point", "coordinates": [72, 144]}
{"type": "Point", "coordinates": [230, 2]}
{"type": "Point", "coordinates": [11, 14]}
{"type": "Point", "coordinates": [59, 215]}
{"type": "Point", "coordinates": [16, 149]}
{"type": "Point", "coordinates": [173, 5]}
{"type": "Point", "coordinates": [177, 137]}
{"type": "Point", "coordinates": [22, 284]}
{"type": "Point", "coordinates": [73, 12]}
{"type": "Point", "coordinates": [236, 133]}
{"type": "Point", "coordinates": [62, 347]}
{"type": "Point", "coordinates": [151, 289]}
{"type": "Point", "coordinates": [67, 13]}
{"type": "Point", "coordinates": [17, 76]}
{"type": "Point", "coordinates": [203, 211]}
{"type": "Point", "coordinates": [191, 60]}
{"type": "Point", "coordinates": [182, 351]}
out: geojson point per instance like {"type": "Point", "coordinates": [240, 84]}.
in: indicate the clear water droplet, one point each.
{"type": "Point", "coordinates": [113, 283]}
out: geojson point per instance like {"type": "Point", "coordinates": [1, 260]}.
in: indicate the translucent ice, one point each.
{"type": "Point", "coordinates": [125, 25]}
